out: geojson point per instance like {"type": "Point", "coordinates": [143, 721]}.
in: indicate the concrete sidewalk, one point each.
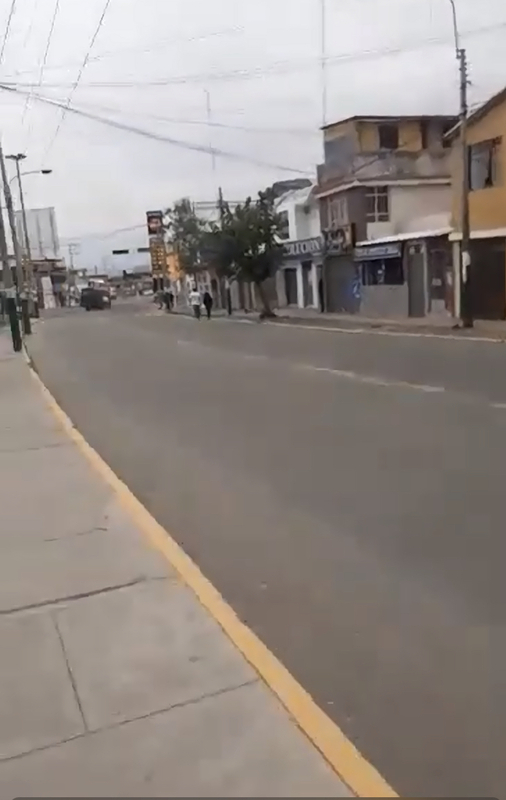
{"type": "Point", "coordinates": [113, 679]}
{"type": "Point", "coordinates": [436, 325]}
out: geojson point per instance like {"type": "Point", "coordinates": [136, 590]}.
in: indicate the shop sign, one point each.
{"type": "Point", "coordinates": [303, 248]}
{"type": "Point", "coordinates": [378, 252]}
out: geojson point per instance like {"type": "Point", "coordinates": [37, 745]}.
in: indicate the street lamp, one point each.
{"type": "Point", "coordinates": [18, 158]}
{"type": "Point", "coordinates": [466, 309]}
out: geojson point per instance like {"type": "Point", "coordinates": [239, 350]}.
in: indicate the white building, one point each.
{"type": "Point", "coordinates": [297, 281]}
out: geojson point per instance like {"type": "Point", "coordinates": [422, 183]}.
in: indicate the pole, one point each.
{"type": "Point", "coordinates": [10, 292]}
{"type": "Point", "coordinates": [466, 301]}
{"type": "Point", "coordinates": [228, 293]}
{"type": "Point", "coordinates": [25, 316]}
{"type": "Point", "coordinates": [29, 265]}
{"type": "Point", "coordinates": [323, 43]}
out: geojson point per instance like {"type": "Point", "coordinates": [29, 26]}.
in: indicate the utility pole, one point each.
{"type": "Point", "coordinates": [29, 266]}
{"type": "Point", "coordinates": [323, 58]}
{"type": "Point", "coordinates": [466, 300]}
{"type": "Point", "coordinates": [9, 289]}
{"type": "Point", "coordinates": [228, 293]}
{"type": "Point", "coordinates": [25, 315]}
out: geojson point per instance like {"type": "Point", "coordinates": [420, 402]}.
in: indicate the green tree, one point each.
{"type": "Point", "coordinates": [186, 230]}
{"type": "Point", "coordinates": [246, 243]}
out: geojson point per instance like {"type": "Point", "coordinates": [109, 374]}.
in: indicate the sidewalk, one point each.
{"type": "Point", "coordinates": [435, 326]}
{"type": "Point", "coordinates": [114, 681]}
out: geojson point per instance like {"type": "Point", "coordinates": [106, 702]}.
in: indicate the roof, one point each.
{"type": "Point", "coordinates": [479, 113]}
{"type": "Point", "coordinates": [407, 237]}
{"type": "Point", "coordinates": [390, 118]}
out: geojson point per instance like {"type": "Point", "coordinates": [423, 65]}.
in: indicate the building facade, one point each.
{"type": "Point", "coordinates": [383, 177]}
{"type": "Point", "coordinates": [486, 139]}
{"type": "Point", "coordinates": [298, 278]}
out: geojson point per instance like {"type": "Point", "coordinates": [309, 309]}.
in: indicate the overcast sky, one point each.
{"type": "Point", "coordinates": [259, 62]}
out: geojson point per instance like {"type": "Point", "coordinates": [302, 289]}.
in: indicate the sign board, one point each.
{"type": "Point", "coordinates": [378, 252]}
{"type": "Point", "coordinates": [42, 233]}
{"type": "Point", "coordinates": [303, 248]}
{"type": "Point", "coordinates": [155, 223]}
{"type": "Point", "coordinates": [339, 241]}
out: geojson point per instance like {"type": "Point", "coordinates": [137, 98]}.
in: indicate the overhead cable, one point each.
{"type": "Point", "coordinates": [7, 29]}
{"type": "Point", "coordinates": [79, 75]}
{"type": "Point", "coordinates": [156, 136]}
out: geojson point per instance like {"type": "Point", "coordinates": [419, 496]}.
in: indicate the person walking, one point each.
{"type": "Point", "coordinates": [195, 302]}
{"type": "Point", "coordinates": [208, 303]}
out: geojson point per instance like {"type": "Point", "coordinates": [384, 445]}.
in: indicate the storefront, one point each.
{"type": "Point", "coordinates": [298, 276]}
{"type": "Point", "coordinates": [382, 279]}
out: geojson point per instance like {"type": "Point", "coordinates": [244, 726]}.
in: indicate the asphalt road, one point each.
{"type": "Point", "coordinates": [345, 493]}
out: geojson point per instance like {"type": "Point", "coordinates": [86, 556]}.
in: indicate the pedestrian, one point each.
{"type": "Point", "coordinates": [195, 302]}
{"type": "Point", "coordinates": [171, 300]}
{"type": "Point", "coordinates": [208, 303]}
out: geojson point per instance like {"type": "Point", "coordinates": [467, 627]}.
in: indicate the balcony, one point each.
{"type": "Point", "coordinates": [384, 165]}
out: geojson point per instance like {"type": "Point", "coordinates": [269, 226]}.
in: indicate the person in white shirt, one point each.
{"type": "Point", "coordinates": [195, 301]}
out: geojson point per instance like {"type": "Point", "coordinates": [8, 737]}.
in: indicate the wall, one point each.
{"type": "Point", "coordinates": [487, 207]}
{"type": "Point", "coordinates": [384, 301]}
{"type": "Point", "coordinates": [409, 203]}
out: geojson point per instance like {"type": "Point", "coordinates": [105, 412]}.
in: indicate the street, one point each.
{"type": "Point", "coordinates": [344, 492]}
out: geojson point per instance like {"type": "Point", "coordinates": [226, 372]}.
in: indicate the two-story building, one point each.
{"type": "Point", "coordinates": [298, 279]}
{"type": "Point", "coordinates": [382, 179]}
{"type": "Point", "coordinates": [486, 140]}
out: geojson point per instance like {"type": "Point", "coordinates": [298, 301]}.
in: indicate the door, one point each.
{"type": "Point", "coordinates": [416, 280]}
{"type": "Point", "coordinates": [307, 286]}
{"type": "Point", "coordinates": [291, 286]}
{"type": "Point", "coordinates": [488, 282]}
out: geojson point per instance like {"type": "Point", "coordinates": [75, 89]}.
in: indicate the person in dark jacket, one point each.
{"type": "Point", "coordinates": [208, 304]}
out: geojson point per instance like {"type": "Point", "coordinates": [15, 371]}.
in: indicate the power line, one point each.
{"type": "Point", "coordinates": [44, 61]}
{"type": "Point", "coordinates": [286, 66]}
{"type": "Point", "coordinates": [122, 126]}
{"type": "Point", "coordinates": [135, 50]}
{"type": "Point", "coordinates": [7, 29]}
{"type": "Point", "coordinates": [79, 76]}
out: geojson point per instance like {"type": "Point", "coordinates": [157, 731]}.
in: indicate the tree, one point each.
{"type": "Point", "coordinates": [246, 243]}
{"type": "Point", "coordinates": [186, 231]}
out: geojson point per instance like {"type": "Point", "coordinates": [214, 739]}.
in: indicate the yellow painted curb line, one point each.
{"type": "Point", "coordinates": [360, 776]}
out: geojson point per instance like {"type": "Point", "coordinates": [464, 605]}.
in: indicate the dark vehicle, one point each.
{"type": "Point", "coordinates": [93, 298]}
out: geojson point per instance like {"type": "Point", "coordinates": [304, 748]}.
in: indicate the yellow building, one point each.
{"type": "Point", "coordinates": [486, 140]}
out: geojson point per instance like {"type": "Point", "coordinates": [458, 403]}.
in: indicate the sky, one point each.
{"type": "Point", "coordinates": [251, 68]}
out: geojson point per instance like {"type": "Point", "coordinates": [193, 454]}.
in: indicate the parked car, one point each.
{"type": "Point", "coordinates": [94, 298]}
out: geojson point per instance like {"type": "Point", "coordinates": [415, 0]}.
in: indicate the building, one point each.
{"type": "Point", "coordinates": [486, 139]}
{"type": "Point", "coordinates": [298, 278]}
{"type": "Point", "coordinates": [382, 177]}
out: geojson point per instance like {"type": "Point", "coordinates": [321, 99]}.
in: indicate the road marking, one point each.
{"type": "Point", "coordinates": [350, 766]}
{"type": "Point", "coordinates": [378, 332]}
{"type": "Point", "coordinates": [371, 379]}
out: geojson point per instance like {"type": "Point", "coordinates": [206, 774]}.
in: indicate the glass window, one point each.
{"type": "Point", "coordinates": [378, 204]}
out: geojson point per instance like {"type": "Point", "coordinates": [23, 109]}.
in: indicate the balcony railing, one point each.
{"type": "Point", "coordinates": [386, 165]}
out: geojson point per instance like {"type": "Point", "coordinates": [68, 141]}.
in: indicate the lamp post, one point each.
{"type": "Point", "coordinates": [29, 267]}
{"type": "Point", "coordinates": [465, 278]}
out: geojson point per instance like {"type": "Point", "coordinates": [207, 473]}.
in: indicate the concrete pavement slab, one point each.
{"type": "Point", "coordinates": [53, 484]}
{"type": "Point", "coordinates": [236, 744]}
{"type": "Point", "coordinates": [51, 570]}
{"type": "Point", "coordinates": [146, 649]}
{"type": "Point", "coordinates": [37, 702]}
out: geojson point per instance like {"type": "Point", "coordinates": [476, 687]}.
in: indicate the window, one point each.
{"type": "Point", "coordinates": [388, 137]}
{"type": "Point", "coordinates": [284, 228]}
{"type": "Point", "coordinates": [484, 164]}
{"type": "Point", "coordinates": [337, 213]}
{"type": "Point", "coordinates": [424, 132]}
{"type": "Point", "coordinates": [377, 204]}
{"type": "Point", "coordinates": [388, 272]}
